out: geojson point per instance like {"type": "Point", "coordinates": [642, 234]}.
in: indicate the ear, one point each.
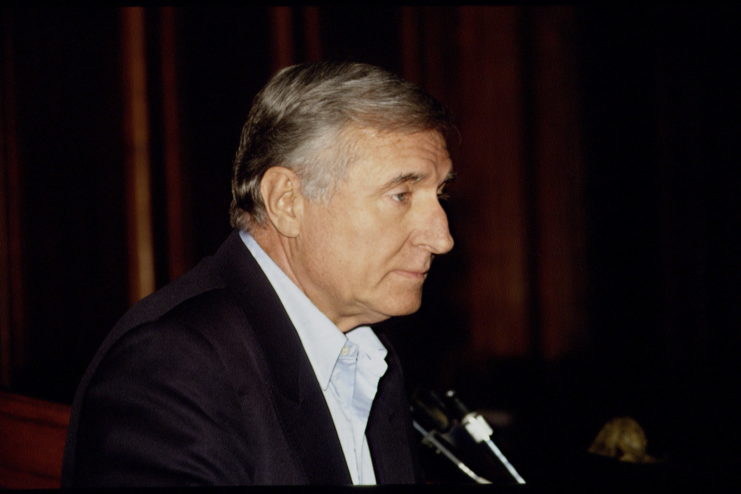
{"type": "Point", "coordinates": [281, 193]}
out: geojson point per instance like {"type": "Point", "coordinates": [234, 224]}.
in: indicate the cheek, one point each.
{"type": "Point", "coordinates": [334, 249]}
{"type": "Point", "coordinates": [356, 247]}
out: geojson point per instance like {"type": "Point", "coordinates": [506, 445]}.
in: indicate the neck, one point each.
{"type": "Point", "coordinates": [281, 250]}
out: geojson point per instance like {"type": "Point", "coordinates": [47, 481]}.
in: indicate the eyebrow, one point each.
{"type": "Point", "coordinates": [402, 179]}
{"type": "Point", "coordinates": [415, 177]}
{"type": "Point", "coordinates": [450, 177]}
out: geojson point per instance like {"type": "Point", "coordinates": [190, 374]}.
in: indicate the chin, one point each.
{"type": "Point", "coordinates": [401, 307]}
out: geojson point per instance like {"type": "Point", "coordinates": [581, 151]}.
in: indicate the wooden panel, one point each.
{"type": "Point", "coordinates": [490, 188]}
{"type": "Point", "coordinates": [12, 350]}
{"type": "Point", "coordinates": [410, 46]}
{"type": "Point", "coordinates": [177, 209]}
{"type": "Point", "coordinates": [32, 437]}
{"type": "Point", "coordinates": [61, 127]}
{"type": "Point", "coordinates": [559, 185]}
{"type": "Point", "coordinates": [312, 33]}
{"type": "Point", "coordinates": [281, 19]}
{"type": "Point", "coordinates": [136, 131]}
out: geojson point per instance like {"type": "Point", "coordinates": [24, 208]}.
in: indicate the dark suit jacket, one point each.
{"type": "Point", "coordinates": [206, 382]}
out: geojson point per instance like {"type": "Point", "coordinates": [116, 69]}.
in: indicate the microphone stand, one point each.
{"type": "Point", "coordinates": [480, 431]}
{"type": "Point", "coordinates": [428, 438]}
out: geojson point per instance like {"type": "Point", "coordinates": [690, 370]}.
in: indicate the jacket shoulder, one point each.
{"type": "Point", "coordinates": [179, 346]}
{"type": "Point", "coordinates": [202, 279]}
{"type": "Point", "coordinates": [200, 302]}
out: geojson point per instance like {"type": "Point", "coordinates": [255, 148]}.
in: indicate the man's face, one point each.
{"type": "Point", "coordinates": [363, 255]}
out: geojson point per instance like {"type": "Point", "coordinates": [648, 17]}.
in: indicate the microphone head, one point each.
{"type": "Point", "coordinates": [455, 404]}
{"type": "Point", "coordinates": [429, 410]}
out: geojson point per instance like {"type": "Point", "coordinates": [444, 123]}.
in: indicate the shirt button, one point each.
{"type": "Point", "coordinates": [344, 350]}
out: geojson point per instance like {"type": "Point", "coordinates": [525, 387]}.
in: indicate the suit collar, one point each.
{"type": "Point", "coordinates": [321, 340]}
{"type": "Point", "coordinates": [296, 394]}
{"type": "Point", "coordinates": [389, 425]}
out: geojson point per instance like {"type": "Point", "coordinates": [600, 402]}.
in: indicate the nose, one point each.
{"type": "Point", "coordinates": [434, 233]}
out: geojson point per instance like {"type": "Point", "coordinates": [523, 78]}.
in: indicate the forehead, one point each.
{"type": "Point", "coordinates": [379, 154]}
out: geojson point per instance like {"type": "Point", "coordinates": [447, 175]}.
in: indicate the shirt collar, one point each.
{"type": "Point", "coordinates": [321, 339]}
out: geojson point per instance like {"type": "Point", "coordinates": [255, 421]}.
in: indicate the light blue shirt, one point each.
{"type": "Point", "coordinates": [348, 365]}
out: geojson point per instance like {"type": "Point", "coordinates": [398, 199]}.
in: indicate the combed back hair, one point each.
{"type": "Point", "coordinates": [301, 118]}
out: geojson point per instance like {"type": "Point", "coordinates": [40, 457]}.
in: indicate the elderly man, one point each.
{"type": "Point", "coordinates": [259, 365]}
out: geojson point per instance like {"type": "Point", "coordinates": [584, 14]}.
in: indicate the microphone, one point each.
{"type": "Point", "coordinates": [479, 430]}
{"type": "Point", "coordinates": [429, 409]}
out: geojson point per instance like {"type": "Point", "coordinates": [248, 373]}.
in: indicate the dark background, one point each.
{"type": "Point", "coordinates": [596, 215]}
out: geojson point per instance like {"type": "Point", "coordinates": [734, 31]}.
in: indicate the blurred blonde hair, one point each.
{"type": "Point", "coordinates": [624, 439]}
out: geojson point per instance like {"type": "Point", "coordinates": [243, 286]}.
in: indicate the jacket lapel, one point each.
{"type": "Point", "coordinates": [389, 425]}
{"type": "Point", "coordinates": [297, 396]}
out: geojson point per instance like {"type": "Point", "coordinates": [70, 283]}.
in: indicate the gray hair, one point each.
{"type": "Point", "coordinates": [298, 120]}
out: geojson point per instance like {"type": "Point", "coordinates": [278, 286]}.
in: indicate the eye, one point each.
{"type": "Point", "coordinates": [442, 194]}
{"type": "Point", "coordinates": [401, 196]}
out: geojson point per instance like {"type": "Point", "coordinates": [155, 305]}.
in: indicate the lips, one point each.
{"type": "Point", "coordinates": [413, 274]}
{"type": "Point", "coordinates": [419, 273]}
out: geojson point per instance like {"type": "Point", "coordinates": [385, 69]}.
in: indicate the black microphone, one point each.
{"type": "Point", "coordinates": [429, 409]}
{"type": "Point", "coordinates": [455, 404]}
